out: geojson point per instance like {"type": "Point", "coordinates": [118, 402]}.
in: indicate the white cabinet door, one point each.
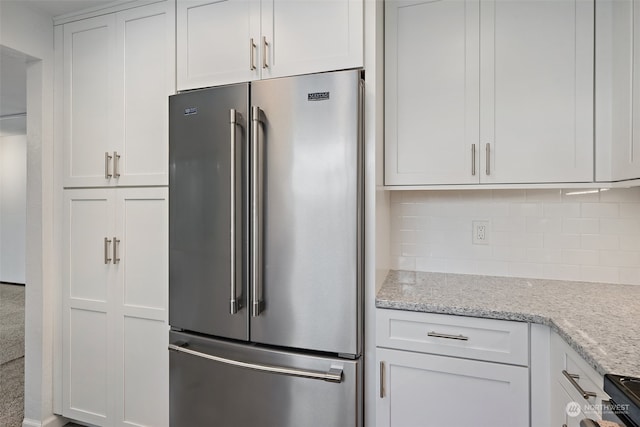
{"type": "Point", "coordinates": [617, 91]}
{"type": "Point", "coordinates": [145, 67]}
{"type": "Point", "coordinates": [88, 229]}
{"type": "Point", "coordinates": [311, 36]}
{"type": "Point", "coordinates": [431, 91]}
{"type": "Point", "coordinates": [90, 92]}
{"type": "Point", "coordinates": [140, 321]}
{"type": "Point", "coordinates": [423, 389]}
{"type": "Point", "coordinates": [218, 42]}
{"type": "Point", "coordinates": [119, 70]}
{"type": "Point", "coordinates": [536, 92]}
{"type": "Point", "coordinates": [115, 287]}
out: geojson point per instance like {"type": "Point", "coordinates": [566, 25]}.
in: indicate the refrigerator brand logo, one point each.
{"type": "Point", "coordinates": [190, 111]}
{"type": "Point", "coordinates": [318, 96]}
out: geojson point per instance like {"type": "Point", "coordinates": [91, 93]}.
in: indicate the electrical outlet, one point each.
{"type": "Point", "coordinates": [480, 232]}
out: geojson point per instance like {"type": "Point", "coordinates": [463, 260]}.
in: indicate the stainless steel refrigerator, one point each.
{"type": "Point", "coordinates": [265, 265]}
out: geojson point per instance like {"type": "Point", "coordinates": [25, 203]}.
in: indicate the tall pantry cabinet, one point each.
{"type": "Point", "coordinates": [117, 71]}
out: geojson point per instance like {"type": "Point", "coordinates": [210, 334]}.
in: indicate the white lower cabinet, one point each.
{"type": "Point", "coordinates": [431, 375]}
{"type": "Point", "coordinates": [420, 390]}
{"type": "Point", "coordinates": [115, 287]}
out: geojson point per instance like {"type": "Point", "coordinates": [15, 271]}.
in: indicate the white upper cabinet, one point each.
{"type": "Point", "coordinates": [617, 90]}
{"type": "Point", "coordinates": [484, 91]}
{"type": "Point", "coordinates": [432, 91]}
{"type": "Point", "coordinates": [230, 41]}
{"type": "Point", "coordinates": [218, 42]}
{"type": "Point", "coordinates": [536, 91]}
{"type": "Point", "coordinates": [118, 73]}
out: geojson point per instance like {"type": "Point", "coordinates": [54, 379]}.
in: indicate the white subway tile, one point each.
{"type": "Point", "coordinates": [619, 259]}
{"type": "Point", "coordinates": [524, 269]}
{"type": "Point", "coordinates": [561, 241]}
{"type": "Point", "coordinates": [509, 253]}
{"type": "Point", "coordinates": [580, 226]}
{"type": "Point", "coordinates": [630, 276]}
{"type": "Point", "coordinates": [629, 242]}
{"type": "Point", "coordinates": [544, 255]}
{"type": "Point", "coordinates": [620, 226]}
{"type": "Point", "coordinates": [544, 225]}
{"type": "Point", "coordinates": [525, 209]}
{"type": "Point", "coordinates": [561, 210]}
{"type": "Point", "coordinates": [404, 263]}
{"type": "Point", "coordinates": [629, 210]}
{"type": "Point", "coordinates": [599, 274]}
{"type": "Point", "coordinates": [559, 272]}
{"type": "Point", "coordinates": [544, 195]}
{"type": "Point", "coordinates": [599, 210]}
{"type": "Point", "coordinates": [526, 240]}
{"type": "Point", "coordinates": [599, 241]}
{"type": "Point", "coordinates": [621, 195]}
{"type": "Point", "coordinates": [412, 250]}
{"type": "Point", "coordinates": [500, 238]}
{"type": "Point", "coordinates": [490, 268]}
{"type": "Point", "coordinates": [509, 195]}
{"type": "Point", "coordinates": [509, 224]}
{"type": "Point", "coordinates": [438, 265]}
{"type": "Point", "coordinates": [580, 257]}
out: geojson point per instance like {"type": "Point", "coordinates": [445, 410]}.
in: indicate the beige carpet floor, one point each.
{"type": "Point", "coordinates": [11, 355]}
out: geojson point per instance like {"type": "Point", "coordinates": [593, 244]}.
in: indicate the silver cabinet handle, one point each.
{"type": "Point", "coordinates": [116, 164]}
{"type": "Point", "coordinates": [116, 242]}
{"type": "Point", "coordinates": [381, 380]}
{"type": "Point", "coordinates": [252, 53]}
{"type": "Point", "coordinates": [488, 159]}
{"type": "Point", "coordinates": [473, 159]}
{"type": "Point", "coordinates": [256, 214]}
{"type": "Point", "coordinates": [107, 158]}
{"type": "Point", "coordinates": [572, 379]}
{"type": "Point", "coordinates": [107, 242]}
{"type": "Point", "coordinates": [334, 374]}
{"type": "Point", "coordinates": [447, 336]}
{"type": "Point", "coordinates": [264, 52]}
{"type": "Point", "coordinates": [233, 306]}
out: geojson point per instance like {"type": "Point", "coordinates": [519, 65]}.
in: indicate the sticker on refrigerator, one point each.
{"type": "Point", "coordinates": [190, 111]}
{"type": "Point", "coordinates": [318, 96]}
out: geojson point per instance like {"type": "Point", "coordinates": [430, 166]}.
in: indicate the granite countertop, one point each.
{"type": "Point", "coordinates": [600, 321]}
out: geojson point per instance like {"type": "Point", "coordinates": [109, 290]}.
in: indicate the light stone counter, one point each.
{"type": "Point", "coordinates": [600, 321]}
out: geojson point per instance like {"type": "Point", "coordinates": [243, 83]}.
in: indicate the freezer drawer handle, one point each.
{"type": "Point", "coordinates": [334, 374]}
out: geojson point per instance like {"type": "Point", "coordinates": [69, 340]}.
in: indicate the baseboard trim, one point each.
{"type": "Point", "coordinates": [12, 283]}
{"type": "Point", "coordinates": [52, 421]}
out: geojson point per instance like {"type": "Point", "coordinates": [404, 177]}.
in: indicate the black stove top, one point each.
{"type": "Point", "coordinates": [625, 397]}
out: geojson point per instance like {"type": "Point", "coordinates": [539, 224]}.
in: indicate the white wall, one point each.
{"type": "Point", "coordinates": [31, 33]}
{"type": "Point", "coordinates": [551, 234]}
{"type": "Point", "coordinates": [13, 207]}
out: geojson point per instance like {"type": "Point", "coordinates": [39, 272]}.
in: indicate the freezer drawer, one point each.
{"type": "Point", "coordinates": [218, 383]}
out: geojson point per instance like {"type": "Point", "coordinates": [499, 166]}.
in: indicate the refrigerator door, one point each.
{"type": "Point", "coordinates": [233, 385]}
{"type": "Point", "coordinates": [207, 231]}
{"type": "Point", "coordinates": [307, 285]}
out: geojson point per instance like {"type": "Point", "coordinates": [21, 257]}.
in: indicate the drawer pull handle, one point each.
{"type": "Point", "coordinates": [572, 379]}
{"type": "Point", "coordinates": [447, 336]}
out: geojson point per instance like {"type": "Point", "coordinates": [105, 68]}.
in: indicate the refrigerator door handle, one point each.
{"type": "Point", "coordinates": [256, 213]}
{"type": "Point", "coordinates": [334, 374]}
{"type": "Point", "coordinates": [234, 305]}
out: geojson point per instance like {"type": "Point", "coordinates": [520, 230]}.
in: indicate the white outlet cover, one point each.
{"type": "Point", "coordinates": [480, 232]}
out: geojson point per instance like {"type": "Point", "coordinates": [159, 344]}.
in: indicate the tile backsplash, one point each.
{"type": "Point", "coordinates": [588, 235]}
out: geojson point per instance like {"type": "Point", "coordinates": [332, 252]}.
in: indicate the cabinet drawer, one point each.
{"type": "Point", "coordinates": [468, 337]}
{"type": "Point", "coordinates": [585, 378]}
